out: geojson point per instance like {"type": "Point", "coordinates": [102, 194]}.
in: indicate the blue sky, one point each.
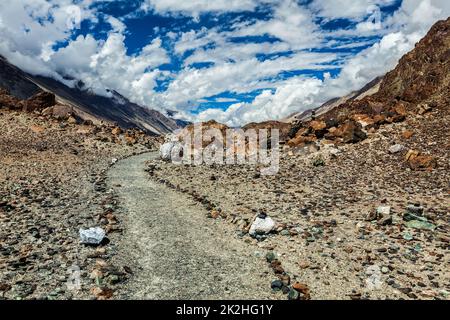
{"type": "Point", "coordinates": [229, 60]}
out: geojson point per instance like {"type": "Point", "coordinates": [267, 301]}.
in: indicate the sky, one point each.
{"type": "Point", "coordinates": [235, 61]}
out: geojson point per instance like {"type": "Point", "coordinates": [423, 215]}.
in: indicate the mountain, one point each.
{"type": "Point", "coordinates": [419, 84]}
{"type": "Point", "coordinates": [421, 77]}
{"type": "Point", "coordinates": [87, 105]}
{"type": "Point", "coordinates": [369, 89]}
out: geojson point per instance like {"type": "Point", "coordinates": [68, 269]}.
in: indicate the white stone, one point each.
{"type": "Point", "coordinates": [92, 235]}
{"type": "Point", "coordinates": [168, 149]}
{"type": "Point", "coordinates": [262, 226]}
{"type": "Point", "coordinates": [396, 148]}
{"type": "Point", "coordinates": [384, 211]}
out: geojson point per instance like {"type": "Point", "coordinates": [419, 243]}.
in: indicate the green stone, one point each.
{"type": "Point", "coordinates": [293, 295]}
{"type": "Point", "coordinates": [416, 224]}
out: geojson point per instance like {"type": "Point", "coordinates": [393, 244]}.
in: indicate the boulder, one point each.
{"type": "Point", "coordinates": [417, 161]}
{"type": "Point", "coordinates": [400, 109]}
{"type": "Point", "coordinates": [318, 127]}
{"type": "Point", "coordinates": [422, 162]}
{"type": "Point", "coordinates": [130, 139]}
{"type": "Point", "coordinates": [411, 155]}
{"type": "Point", "coordinates": [92, 236]}
{"type": "Point", "coordinates": [168, 149]}
{"type": "Point", "coordinates": [62, 112]}
{"type": "Point", "coordinates": [261, 225]}
{"type": "Point", "coordinates": [350, 132]}
{"type": "Point", "coordinates": [301, 140]}
{"type": "Point", "coordinates": [364, 120]}
{"type": "Point", "coordinates": [379, 119]}
{"type": "Point", "coordinates": [8, 101]}
{"type": "Point", "coordinates": [39, 102]}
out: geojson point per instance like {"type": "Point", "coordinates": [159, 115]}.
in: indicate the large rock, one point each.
{"type": "Point", "coordinates": [8, 101]}
{"type": "Point", "coordinates": [170, 149]}
{"type": "Point", "coordinates": [59, 112]}
{"type": "Point", "coordinates": [318, 127]}
{"type": "Point", "coordinates": [301, 141]}
{"type": "Point", "coordinates": [39, 102]}
{"type": "Point", "coordinates": [418, 161]}
{"type": "Point", "coordinates": [261, 225]}
{"type": "Point", "coordinates": [350, 132]}
{"type": "Point", "coordinates": [422, 162]}
{"type": "Point", "coordinates": [92, 236]}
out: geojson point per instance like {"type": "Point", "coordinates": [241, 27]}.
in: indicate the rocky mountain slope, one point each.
{"type": "Point", "coordinates": [418, 84]}
{"type": "Point", "coordinates": [362, 196]}
{"type": "Point", "coordinates": [368, 90]}
{"type": "Point", "coordinates": [114, 109]}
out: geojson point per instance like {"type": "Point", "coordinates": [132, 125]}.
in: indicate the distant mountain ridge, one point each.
{"type": "Point", "coordinates": [369, 89]}
{"type": "Point", "coordinates": [115, 109]}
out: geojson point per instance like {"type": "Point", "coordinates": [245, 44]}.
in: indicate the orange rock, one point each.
{"type": "Point", "coordinates": [130, 140]}
{"type": "Point", "coordinates": [214, 214]}
{"type": "Point", "coordinates": [302, 288]}
{"type": "Point", "coordinates": [407, 134]}
{"type": "Point", "coordinates": [301, 140]}
{"type": "Point", "coordinates": [400, 108]}
{"type": "Point", "coordinates": [364, 120]}
{"type": "Point", "coordinates": [317, 125]}
{"type": "Point", "coordinates": [116, 131]}
{"type": "Point", "coordinates": [37, 129]}
{"type": "Point", "coordinates": [350, 132]}
{"type": "Point", "coordinates": [102, 293]}
{"type": "Point", "coordinates": [422, 162]}
{"type": "Point", "coordinates": [411, 155]}
{"type": "Point", "coordinates": [379, 119]}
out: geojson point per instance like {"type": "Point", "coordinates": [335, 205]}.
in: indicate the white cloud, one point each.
{"type": "Point", "coordinates": [242, 76]}
{"type": "Point", "coordinates": [403, 30]}
{"type": "Point", "coordinates": [196, 7]}
{"type": "Point", "coordinates": [349, 9]}
{"type": "Point", "coordinates": [290, 23]}
{"type": "Point", "coordinates": [31, 28]}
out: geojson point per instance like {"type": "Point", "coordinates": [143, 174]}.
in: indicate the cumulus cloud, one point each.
{"type": "Point", "coordinates": [349, 9]}
{"type": "Point", "coordinates": [39, 36]}
{"type": "Point", "coordinates": [30, 29]}
{"type": "Point", "coordinates": [196, 7]}
{"type": "Point", "coordinates": [407, 26]}
{"type": "Point", "coordinates": [290, 23]}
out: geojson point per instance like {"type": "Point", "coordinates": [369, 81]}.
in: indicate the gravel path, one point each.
{"type": "Point", "coordinates": [175, 251]}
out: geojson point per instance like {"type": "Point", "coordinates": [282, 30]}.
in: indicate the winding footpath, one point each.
{"type": "Point", "coordinates": [175, 251]}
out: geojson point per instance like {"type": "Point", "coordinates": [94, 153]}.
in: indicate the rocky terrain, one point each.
{"type": "Point", "coordinates": [362, 196]}
{"type": "Point", "coordinates": [324, 204]}
{"type": "Point", "coordinates": [52, 172]}
{"type": "Point", "coordinates": [358, 209]}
